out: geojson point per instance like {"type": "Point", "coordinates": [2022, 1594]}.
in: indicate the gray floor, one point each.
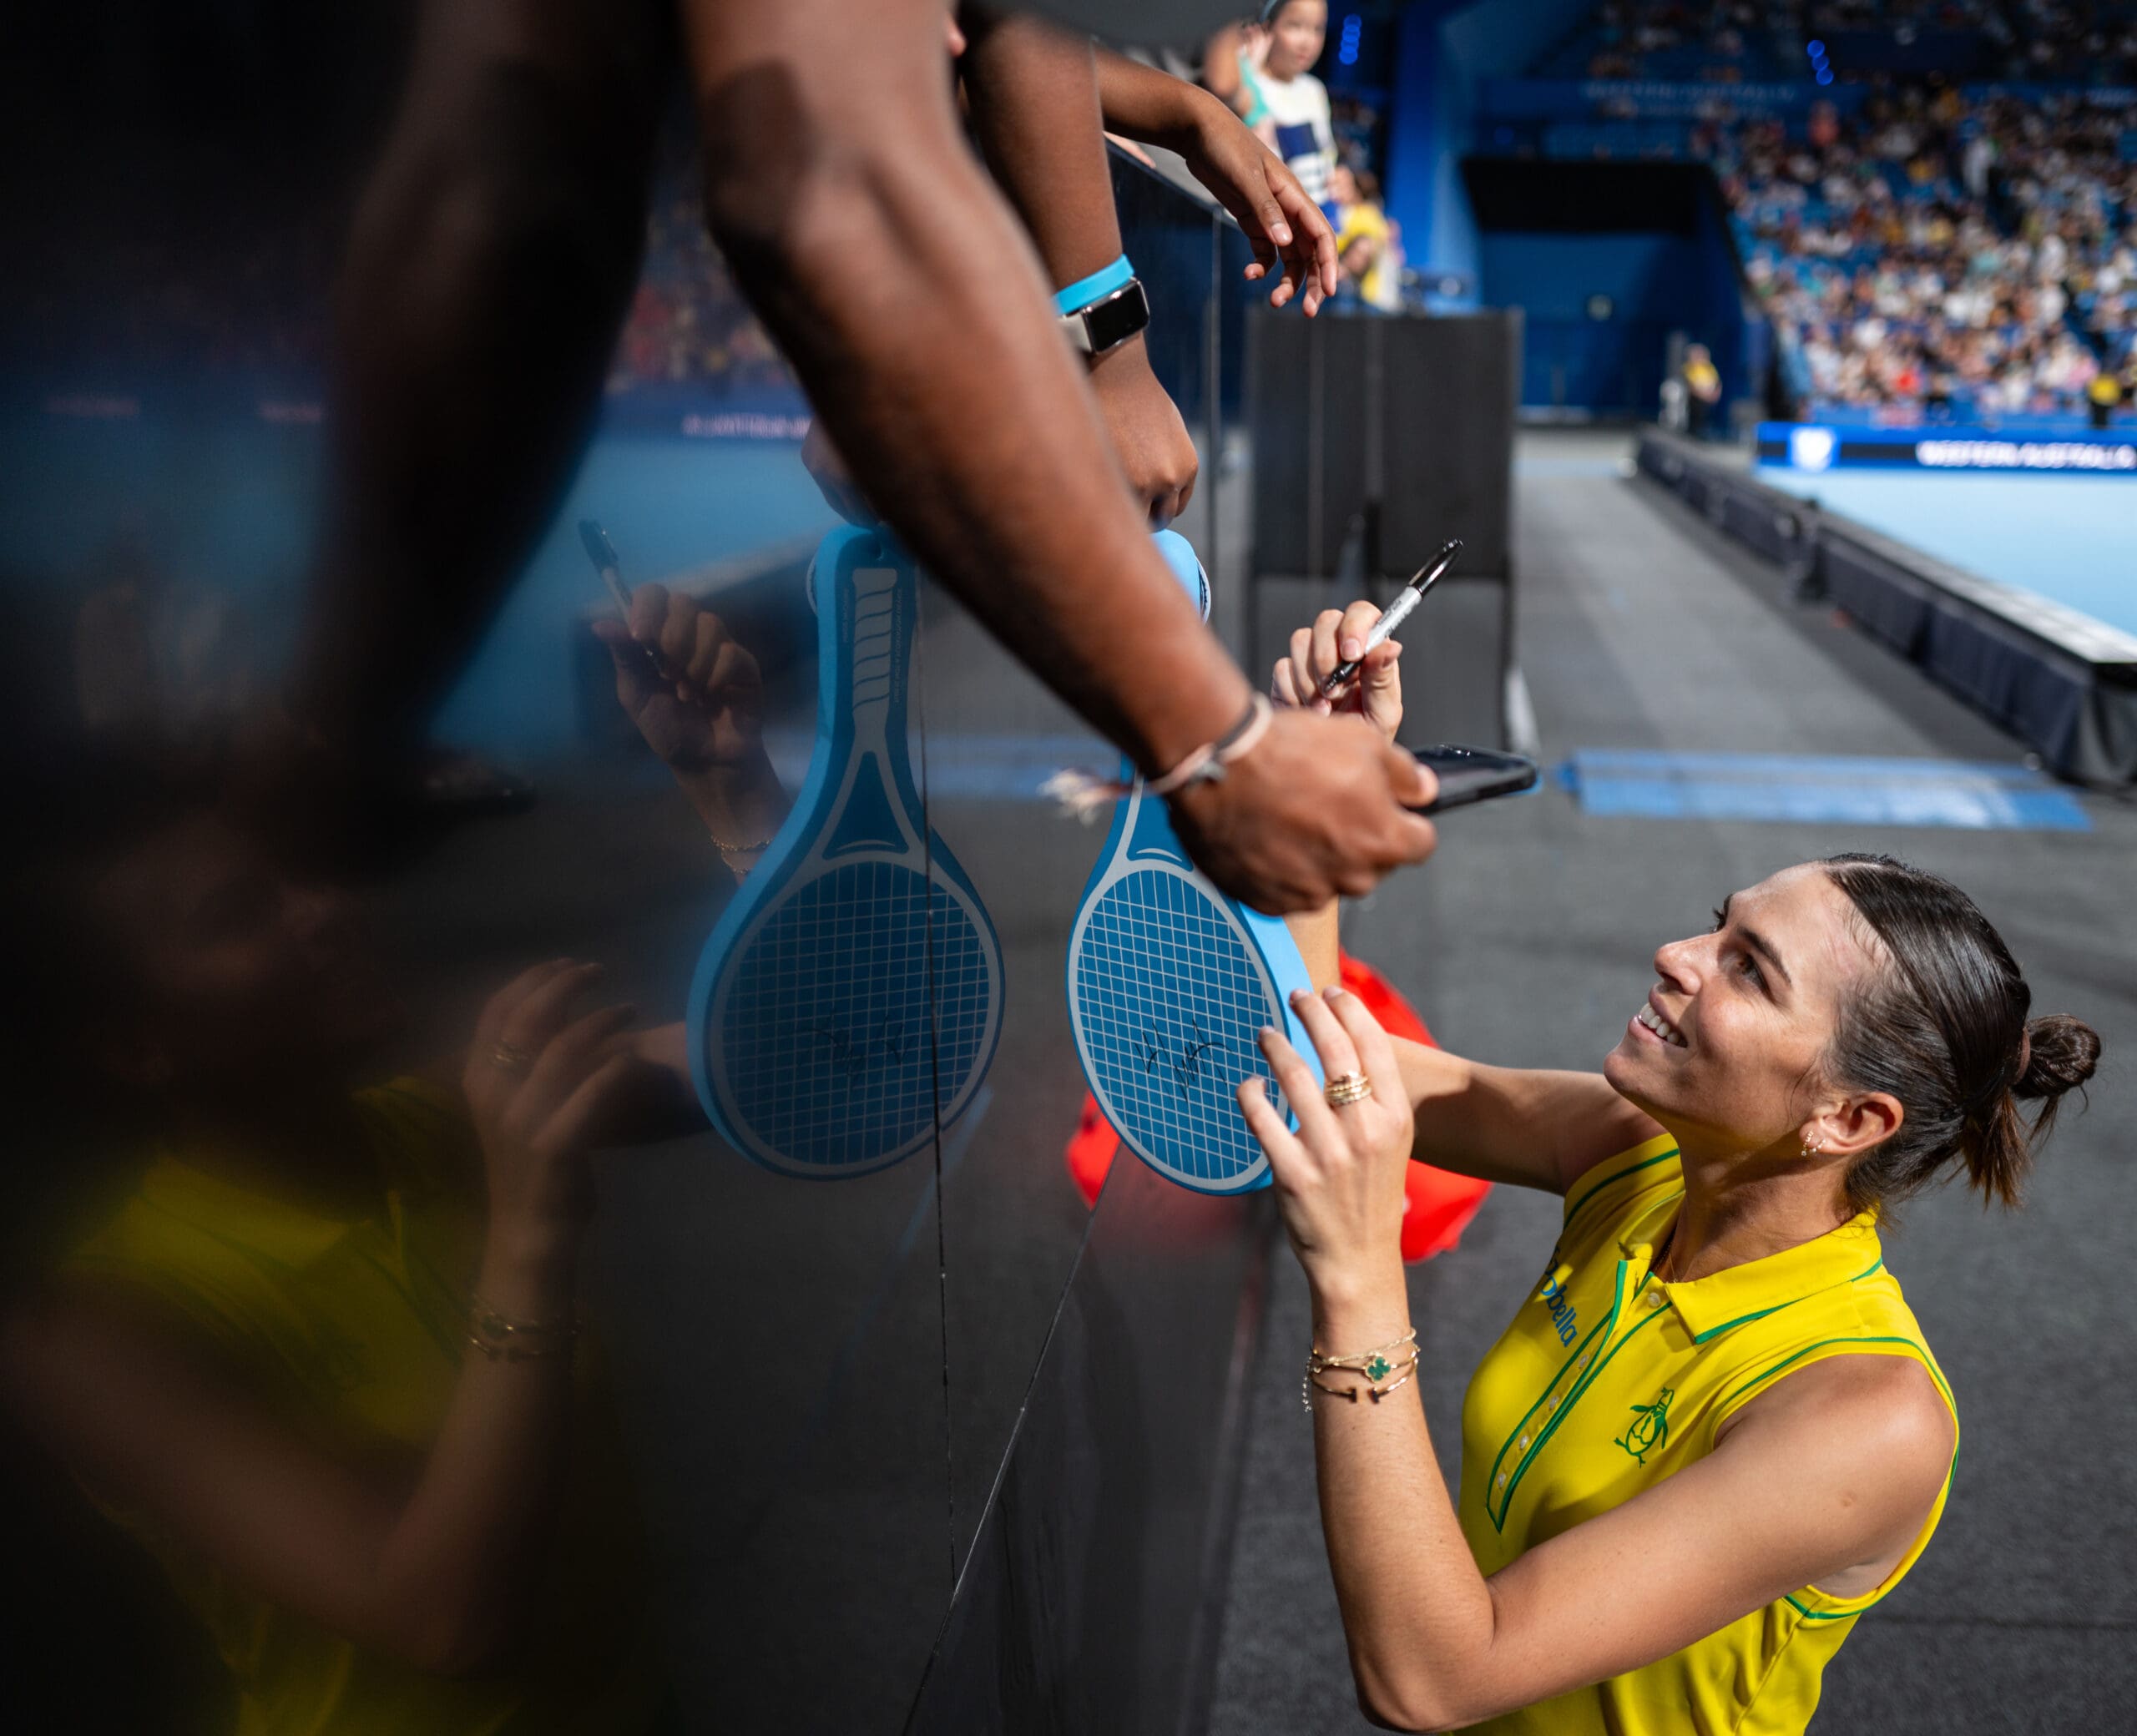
{"type": "Point", "coordinates": [1526, 940]}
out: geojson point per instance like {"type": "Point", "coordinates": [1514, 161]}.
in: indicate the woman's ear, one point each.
{"type": "Point", "coordinates": [1852, 1126]}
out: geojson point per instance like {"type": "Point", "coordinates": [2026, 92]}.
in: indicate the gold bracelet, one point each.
{"type": "Point", "coordinates": [1373, 1364]}
{"type": "Point", "coordinates": [744, 849]}
{"type": "Point", "coordinates": [1378, 1387]}
{"type": "Point", "coordinates": [504, 1337]}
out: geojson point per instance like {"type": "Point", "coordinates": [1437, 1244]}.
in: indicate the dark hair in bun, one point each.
{"type": "Point", "coordinates": [1944, 1029]}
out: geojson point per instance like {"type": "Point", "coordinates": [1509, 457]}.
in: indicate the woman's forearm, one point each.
{"type": "Point", "coordinates": [1318, 936]}
{"type": "Point", "coordinates": [459, 1556]}
{"type": "Point", "coordinates": [1417, 1615]}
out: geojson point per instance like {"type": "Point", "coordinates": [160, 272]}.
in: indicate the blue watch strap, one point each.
{"type": "Point", "coordinates": [1082, 293]}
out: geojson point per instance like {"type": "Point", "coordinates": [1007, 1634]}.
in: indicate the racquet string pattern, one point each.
{"type": "Point", "coordinates": [824, 1039]}
{"type": "Point", "coordinates": [1165, 1064]}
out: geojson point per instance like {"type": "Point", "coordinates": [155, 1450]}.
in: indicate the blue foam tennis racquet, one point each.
{"type": "Point", "coordinates": [1170, 984]}
{"type": "Point", "coordinates": [851, 994]}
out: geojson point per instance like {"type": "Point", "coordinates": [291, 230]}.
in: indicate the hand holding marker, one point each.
{"type": "Point", "coordinates": [1412, 594]}
{"type": "Point", "coordinates": [1465, 775]}
{"type": "Point", "coordinates": [602, 553]}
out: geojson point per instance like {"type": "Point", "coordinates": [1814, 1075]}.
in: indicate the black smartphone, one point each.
{"type": "Point", "coordinates": [1474, 775]}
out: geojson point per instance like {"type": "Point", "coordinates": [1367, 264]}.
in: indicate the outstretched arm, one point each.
{"type": "Point", "coordinates": [865, 234]}
{"type": "Point", "coordinates": [1288, 232]}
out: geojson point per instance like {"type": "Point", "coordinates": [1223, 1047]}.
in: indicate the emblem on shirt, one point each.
{"type": "Point", "coordinates": [1650, 1427]}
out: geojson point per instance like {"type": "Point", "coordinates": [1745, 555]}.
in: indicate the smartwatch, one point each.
{"type": "Point", "coordinates": [1104, 310]}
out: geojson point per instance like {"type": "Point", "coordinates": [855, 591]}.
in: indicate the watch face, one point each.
{"type": "Point", "coordinates": [1118, 318]}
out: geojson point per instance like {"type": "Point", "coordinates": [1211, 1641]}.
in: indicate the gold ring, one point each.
{"type": "Point", "coordinates": [509, 1056]}
{"type": "Point", "coordinates": [1347, 1088]}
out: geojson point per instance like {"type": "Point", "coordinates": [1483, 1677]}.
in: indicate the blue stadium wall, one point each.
{"type": "Point", "coordinates": [1444, 48]}
{"type": "Point", "coordinates": [1600, 298]}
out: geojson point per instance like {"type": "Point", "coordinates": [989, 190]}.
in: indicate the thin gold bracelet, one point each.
{"type": "Point", "coordinates": [504, 1337]}
{"type": "Point", "coordinates": [744, 849]}
{"type": "Point", "coordinates": [1379, 1388]}
{"type": "Point", "coordinates": [1373, 1364]}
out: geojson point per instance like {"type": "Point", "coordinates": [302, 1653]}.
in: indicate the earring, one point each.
{"type": "Point", "coordinates": [1812, 1151]}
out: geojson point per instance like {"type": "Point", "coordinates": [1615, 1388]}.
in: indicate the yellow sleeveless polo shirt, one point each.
{"type": "Point", "coordinates": [357, 1330]}
{"type": "Point", "coordinates": [1608, 1381]}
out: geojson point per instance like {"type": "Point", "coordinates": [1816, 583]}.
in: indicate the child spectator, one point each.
{"type": "Point", "coordinates": [1280, 97]}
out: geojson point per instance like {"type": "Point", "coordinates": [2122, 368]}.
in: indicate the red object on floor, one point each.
{"type": "Point", "coordinates": [1436, 1206]}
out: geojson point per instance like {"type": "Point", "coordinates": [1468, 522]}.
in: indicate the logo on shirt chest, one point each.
{"type": "Point", "coordinates": [1650, 1427]}
{"type": "Point", "coordinates": [1564, 1320]}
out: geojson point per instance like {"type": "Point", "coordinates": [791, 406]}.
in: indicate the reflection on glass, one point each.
{"type": "Point", "coordinates": [850, 1000]}
{"type": "Point", "coordinates": [251, 1340]}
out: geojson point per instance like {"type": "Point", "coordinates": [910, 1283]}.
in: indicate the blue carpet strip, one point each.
{"type": "Point", "coordinates": [1823, 790]}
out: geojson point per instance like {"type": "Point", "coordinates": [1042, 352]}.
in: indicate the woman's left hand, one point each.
{"type": "Point", "coordinates": [1339, 1178]}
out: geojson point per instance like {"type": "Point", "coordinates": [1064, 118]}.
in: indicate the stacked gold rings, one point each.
{"type": "Point", "coordinates": [1347, 1088]}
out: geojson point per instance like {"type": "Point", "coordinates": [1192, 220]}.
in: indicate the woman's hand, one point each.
{"type": "Point", "coordinates": [693, 689]}
{"type": "Point", "coordinates": [1338, 636]}
{"type": "Point", "coordinates": [1339, 1178]}
{"type": "Point", "coordinates": [543, 1085]}
{"type": "Point", "coordinates": [1288, 232]}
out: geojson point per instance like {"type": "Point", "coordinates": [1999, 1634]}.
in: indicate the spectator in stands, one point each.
{"type": "Point", "coordinates": [1276, 93]}
{"type": "Point", "coordinates": [2102, 396]}
{"type": "Point", "coordinates": [1368, 242]}
{"type": "Point", "coordinates": [1702, 390]}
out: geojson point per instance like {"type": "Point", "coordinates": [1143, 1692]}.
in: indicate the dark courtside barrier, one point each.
{"type": "Point", "coordinates": [2061, 682]}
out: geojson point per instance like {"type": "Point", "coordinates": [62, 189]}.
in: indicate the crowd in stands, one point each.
{"type": "Point", "coordinates": [688, 327]}
{"type": "Point", "coordinates": [1727, 41]}
{"type": "Point", "coordinates": [171, 291]}
{"type": "Point", "coordinates": [1930, 253]}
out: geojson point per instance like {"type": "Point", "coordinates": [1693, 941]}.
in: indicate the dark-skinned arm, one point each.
{"type": "Point", "coordinates": [897, 285]}
{"type": "Point", "coordinates": [1032, 91]}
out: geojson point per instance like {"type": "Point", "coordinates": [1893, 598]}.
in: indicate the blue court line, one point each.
{"type": "Point", "coordinates": [1841, 790]}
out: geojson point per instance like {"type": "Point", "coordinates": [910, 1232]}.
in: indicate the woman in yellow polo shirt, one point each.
{"type": "Point", "coordinates": [320, 1355]}
{"type": "Point", "coordinates": [1713, 1434]}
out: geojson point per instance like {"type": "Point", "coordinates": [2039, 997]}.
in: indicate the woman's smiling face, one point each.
{"type": "Point", "coordinates": [1728, 1050]}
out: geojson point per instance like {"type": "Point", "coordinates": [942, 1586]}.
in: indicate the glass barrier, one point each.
{"type": "Point", "coordinates": [304, 1273]}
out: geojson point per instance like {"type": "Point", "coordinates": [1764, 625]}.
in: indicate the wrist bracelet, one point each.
{"type": "Point", "coordinates": [505, 1338]}
{"type": "Point", "coordinates": [1374, 1362]}
{"type": "Point", "coordinates": [1379, 1389]}
{"type": "Point", "coordinates": [1398, 1358]}
{"type": "Point", "coordinates": [1082, 795]}
{"type": "Point", "coordinates": [744, 849]}
{"type": "Point", "coordinates": [1105, 282]}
